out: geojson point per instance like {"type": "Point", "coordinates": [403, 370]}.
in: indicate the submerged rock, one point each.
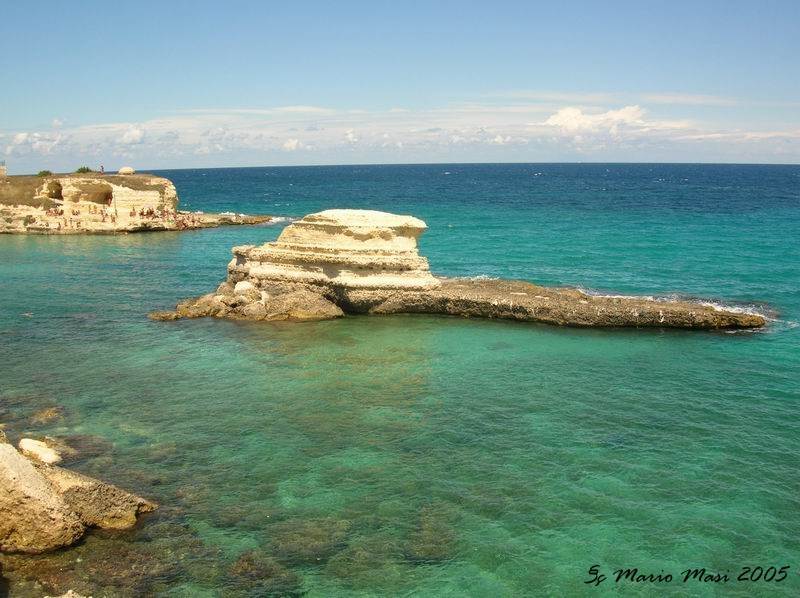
{"type": "Point", "coordinates": [47, 415]}
{"type": "Point", "coordinates": [369, 563]}
{"type": "Point", "coordinates": [433, 540]}
{"type": "Point", "coordinates": [307, 541]}
{"type": "Point", "coordinates": [362, 261]}
{"type": "Point", "coordinates": [256, 574]}
{"type": "Point", "coordinates": [163, 315]}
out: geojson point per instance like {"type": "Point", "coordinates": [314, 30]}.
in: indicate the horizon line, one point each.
{"type": "Point", "coordinates": [362, 164]}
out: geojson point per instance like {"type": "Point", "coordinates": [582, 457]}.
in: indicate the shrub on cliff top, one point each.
{"type": "Point", "coordinates": [84, 170]}
{"type": "Point", "coordinates": [44, 173]}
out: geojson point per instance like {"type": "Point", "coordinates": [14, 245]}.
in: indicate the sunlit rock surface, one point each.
{"type": "Point", "coordinates": [361, 261]}
{"type": "Point", "coordinates": [96, 203]}
{"type": "Point", "coordinates": [44, 507]}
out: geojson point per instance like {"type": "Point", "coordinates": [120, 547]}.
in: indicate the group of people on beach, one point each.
{"type": "Point", "coordinates": [57, 218]}
{"type": "Point", "coordinates": [182, 220]}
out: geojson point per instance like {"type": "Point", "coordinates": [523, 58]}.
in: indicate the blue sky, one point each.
{"type": "Point", "coordinates": [185, 84]}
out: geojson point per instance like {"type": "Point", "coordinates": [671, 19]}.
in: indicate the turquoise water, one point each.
{"type": "Point", "coordinates": [426, 456]}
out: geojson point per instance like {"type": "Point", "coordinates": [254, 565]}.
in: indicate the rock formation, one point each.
{"type": "Point", "coordinates": [96, 203]}
{"type": "Point", "coordinates": [43, 507]}
{"type": "Point", "coordinates": [39, 451]}
{"type": "Point", "coordinates": [361, 261]}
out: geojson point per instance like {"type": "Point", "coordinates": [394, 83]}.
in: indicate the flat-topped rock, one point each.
{"type": "Point", "coordinates": [361, 261]}
{"type": "Point", "coordinates": [338, 250]}
{"type": "Point", "coordinates": [518, 300]}
{"type": "Point", "coordinates": [100, 203]}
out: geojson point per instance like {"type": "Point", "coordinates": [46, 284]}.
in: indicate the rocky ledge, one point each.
{"type": "Point", "coordinates": [364, 262]}
{"type": "Point", "coordinates": [96, 203]}
{"type": "Point", "coordinates": [44, 507]}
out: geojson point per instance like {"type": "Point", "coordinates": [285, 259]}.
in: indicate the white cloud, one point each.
{"type": "Point", "coordinates": [463, 131]}
{"type": "Point", "coordinates": [573, 120]}
{"type": "Point", "coordinates": [500, 140]}
{"type": "Point", "coordinates": [56, 124]}
{"type": "Point", "coordinates": [134, 135]}
{"type": "Point", "coordinates": [291, 145]}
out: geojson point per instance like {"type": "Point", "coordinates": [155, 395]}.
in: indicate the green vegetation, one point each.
{"type": "Point", "coordinates": [83, 170]}
{"type": "Point", "coordinates": [45, 173]}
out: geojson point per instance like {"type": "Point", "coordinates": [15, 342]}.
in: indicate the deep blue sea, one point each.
{"type": "Point", "coordinates": [428, 456]}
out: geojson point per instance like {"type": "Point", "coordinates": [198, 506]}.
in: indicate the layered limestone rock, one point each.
{"type": "Point", "coordinates": [361, 261]}
{"type": "Point", "coordinates": [44, 507]}
{"type": "Point", "coordinates": [354, 257]}
{"type": "Point", "coordinates": [95, 203]}
{"type": "Point", "coordinates": [33, 518]}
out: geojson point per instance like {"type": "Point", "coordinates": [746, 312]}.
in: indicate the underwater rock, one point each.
{"type": "Point", "coordinates": [80, 447]}
{"type": "Point", "coordinates": [257, 574]}
{"type": "Point", "coordinates": [368, 563]}
{"type": "Point", "coordinates": [433, 540]}
{"type": "Point", "coordinates": [163, 315]}
{"type": "Point", "coordinates": [362, 261]}
{"type": "Point", "coordinates": [47, 415]}
{"type": "Point", "coordinates": [307, 541]}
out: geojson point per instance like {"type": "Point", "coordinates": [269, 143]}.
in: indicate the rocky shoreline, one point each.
{"type": "Point", "coordinates": [340, 262]}
{"type": "Point", "coordinates": [44, 507]}
{"type": "Point", "coordinates": [93, 203]}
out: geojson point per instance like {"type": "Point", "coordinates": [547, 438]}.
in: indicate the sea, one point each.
{"type": "Point", "coordinates": [415, 455]}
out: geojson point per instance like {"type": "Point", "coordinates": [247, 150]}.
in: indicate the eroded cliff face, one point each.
{"type": "Point", "coordinates": [86, 203]}
{"type": "Point", "coordinates": [95, 203]}
{"type": "Point", "coordinates": [359, 261]}
{"type": "Point", "coordinates": [354, 256]}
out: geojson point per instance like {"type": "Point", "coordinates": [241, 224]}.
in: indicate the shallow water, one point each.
{"type": "Point", "coordinates": [412, 455]}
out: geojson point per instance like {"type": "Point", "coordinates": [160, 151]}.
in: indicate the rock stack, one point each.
{"type": "Point", "coordinates": [361, 261]}
{"type": "Point", "coordinates": [358, 258]}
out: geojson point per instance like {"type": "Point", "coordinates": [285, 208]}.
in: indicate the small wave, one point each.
{"type": "Point", "coordinates": [281, 219]}
{"type": "Point", "coordinates": [751, 309]}
{"type": "Point", "coordinates": [476, 277]}
{"type": "Point", "coordinates": [593, 293]}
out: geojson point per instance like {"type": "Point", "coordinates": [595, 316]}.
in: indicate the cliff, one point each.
{"type": "Point", "coordinates": [359, 261]}
{"type": "Point", "coordinates": [95, 203]}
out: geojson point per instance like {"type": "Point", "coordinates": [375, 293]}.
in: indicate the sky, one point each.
{"type": "Point", "coordinates": [206, 84]}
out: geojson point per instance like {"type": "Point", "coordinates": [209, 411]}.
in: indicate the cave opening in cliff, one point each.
{"type": "Point", "coordinates": [55, 190]}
